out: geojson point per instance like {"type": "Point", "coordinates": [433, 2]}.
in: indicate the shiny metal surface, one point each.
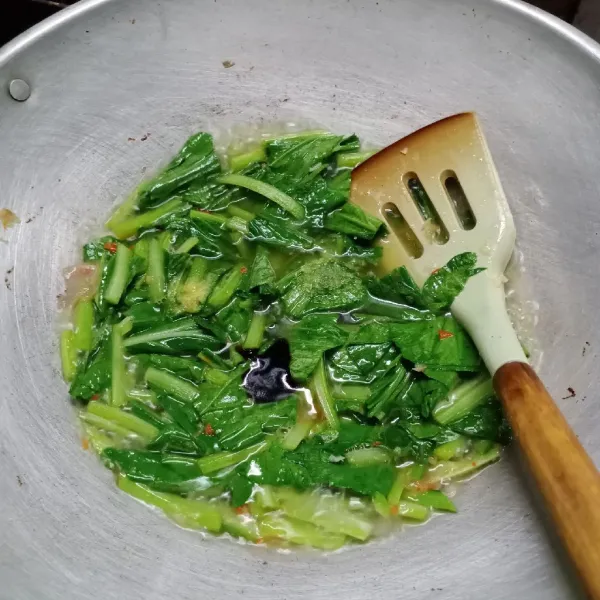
{"type": "Point", "coordinates": [107, 71]}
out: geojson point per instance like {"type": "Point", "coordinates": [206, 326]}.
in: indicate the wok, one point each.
{"type": "Point", "coordinates": [115, 87]}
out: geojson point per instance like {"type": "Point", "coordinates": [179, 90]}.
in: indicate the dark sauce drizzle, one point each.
{"type": "Point", "coordinates": [269, 379]}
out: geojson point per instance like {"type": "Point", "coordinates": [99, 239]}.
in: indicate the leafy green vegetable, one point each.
{"type": "Point", "coordinates": [322, 284]}
{"type": "Point", "coordinates": [309, 339]}
{"type": "Point", "coordinates": [439, 344]}
{"type": "Point", "coordinates": [353, 220]}
{"type": "Point", "coordinates": [442, 287]}
{"type": "Point", "coordinates": [241, 367]}
{"type": "Point", "coordinates": [262, 274]}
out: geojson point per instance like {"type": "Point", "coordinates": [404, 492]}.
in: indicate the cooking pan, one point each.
{"type": "Point", "coordinates": [106, 92]}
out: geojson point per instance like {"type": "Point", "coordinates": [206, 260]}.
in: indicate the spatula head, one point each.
{"type": "Point", "coordinates": [440, 195]}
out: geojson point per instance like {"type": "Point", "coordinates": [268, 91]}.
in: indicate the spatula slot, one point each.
{"type": "Point", "coordinates": [402, 230]}
{"type": "Point", "coordinates": [434, 228]}
{"type": "Point", "coordinates": [459, 200]}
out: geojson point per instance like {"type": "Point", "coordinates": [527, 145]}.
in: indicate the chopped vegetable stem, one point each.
{"type": "Point", "coordinates": [68, 354]}
{"type": "Point", "coordinates": [83, 324]}
{"type": "Point", "coordinates": [256, 331]}
{"type": "Point", "coordinates": [166, 382]}
{"type": "Point", "coordinates": [320, 387]}
{"type": "Point", "coordinates": [119, 276]}
{"type": "Point", "coordinates": [464, 399]}
{"type": "Point", "coordinates": [268, 191]}
{"type": "Point", "coordinates": [155, 275]}
{"type": "Point", "coordinates": [221, 460]}
{"type": "Point", "coordinates": [131, 225]}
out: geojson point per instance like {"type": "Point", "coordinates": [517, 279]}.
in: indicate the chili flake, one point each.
{"type": "Point", "coordinates": [208, 429]}
{"type": "Point", "coordinates": [443, 334]}
{"type": "Point", "coordinates": [111, 247]}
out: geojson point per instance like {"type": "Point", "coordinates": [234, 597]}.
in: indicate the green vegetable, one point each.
{"type": "Point", "coordinates": [319, 385]}
{"type": "Point", "coordinates": [309, 339]}
{"type": "Point", "coordinates": [123, 419]}
{"type": "Point", "coordinates": [83, 321]}
{"type": "Point", "coordinates": [244, 366]}
{"type": "Point", "coordinates": [166, 382]}
{"type": "Point", "coordinates": [463, 399]}
{"type": "Point", "coordinates": [222, 460]}
{"type": "Point", "coordinates": [268, 191]}
{"type": "Point", "coordinates": [68, 354]}
{"type": "Point", "coordinates": [119, 276]}
{"type": "Point", "coordinates": [353, 220]}
{"type": "Point", "coordinates": [256, 331]}
{"type": "Point", "coordinates": [155, 275]}
{"type": "Point", "coordinates": [188, 513]}
{"type": "Point", "coordinates": [323, 284]}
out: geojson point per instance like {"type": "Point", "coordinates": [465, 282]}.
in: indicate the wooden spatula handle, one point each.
{"type": "Point", "coordinates": [565, 474]}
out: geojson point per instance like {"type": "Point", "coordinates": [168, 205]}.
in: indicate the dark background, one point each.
{"type": "Point", "coordinates": [18, 15]}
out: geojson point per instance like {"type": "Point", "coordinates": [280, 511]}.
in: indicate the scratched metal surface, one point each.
{"type": "Point", "coordinates": [109, 70]}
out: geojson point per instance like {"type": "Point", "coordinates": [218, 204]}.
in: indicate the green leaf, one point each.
{"type": "Point", "coordinates": [486, 422]}
{"type": "Point", "coordinates": [321, 285]}
{"type": "Point", "coordinates": [167, 472]}
{"type": "Point", "coordinates": [399, 287]}
{"type": "Point", "coordinates": [445, 284]}
{"type": "Point", "coordinates": [275, 232]}
{"type": "Point", "coordinates": [353, 220]}
{"type": "Point", "coordinates": [309, 339]}
{"type": "Point", "coordinates": [196, 163]}
{"type": "Point", "coordinates": [361, 363]}
{"type": "Point", "coordinates": [240, 489]}
{"type": "Point", "coordinates": [262, 274]}
{"type": "Point", "coordinates": [440, 344]}
{"type": "Point", "coordinates": [304, 155]}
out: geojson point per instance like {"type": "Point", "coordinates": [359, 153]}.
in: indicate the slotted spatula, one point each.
{"type": "Point", "coordinates": [440, 194]}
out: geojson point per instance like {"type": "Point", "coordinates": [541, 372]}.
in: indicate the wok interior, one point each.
{"type": "Point", "coordinates": [154, 72]}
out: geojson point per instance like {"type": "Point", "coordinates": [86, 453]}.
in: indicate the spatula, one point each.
{"type": "Point", "coordinates": [440, 194]}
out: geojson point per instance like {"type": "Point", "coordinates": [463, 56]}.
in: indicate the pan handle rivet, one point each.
{"type": "Point", "coordinates": [19, 90]}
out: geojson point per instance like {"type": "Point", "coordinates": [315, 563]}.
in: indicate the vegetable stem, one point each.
{"type": "Point", "coordinates": [187, 245]}
{"type": "Point", "coordinates": [226, 286]}
{"type": "Point", "coordinates": [83, 323]}
{"type": "Point", "coordinates": [320, 387]}
{"type": "Point", "coordinates": [123, 419]}
{"type": "Point", "coordinates": [68, 354]}
{"type": "Point", "coordinates": [268, 191]}
{"type": "Point", "coordinates": [118, 395]}
{"type": "Point", "coordinates": [256, 331]}
{"type": "Point", "coordinates": [203, 215]}
{"type": "Point", "coordinates": [164, 381]}
{"type": "Point", "coordinates": [183, 510]}
{"type": "Point", "coordinates": [119, 276]}
{"type": "Point", "coordinates": [237, 162]}
{"type": "Point", "coordinates": [155, 275]}
{"type": "Point", "coordinates": [367, 457]}
{"type": "Point", "coordinates": [129, 226]}
{"type": "Point", "coordinates": [463, 399]}
{"type": "Point", "coordinates": [221, 460]}
{"type": "Point", "coordinates": [351, 159]}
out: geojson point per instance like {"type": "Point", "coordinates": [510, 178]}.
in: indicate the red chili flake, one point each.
{"type": "Point", "coordinates": [443, 334]}
{"type": "Point", "coordinates": [434, 271]}
{"type": "Point", "coordinates": [243, 270]}
{"type": "Point", "coordinates": [96, 397]}
{"type": "Point", "coordinates": [376, 443]}
{"type": "Point", "coordinates": [394, 510]}
{"type": "Point", "coordinates": [242, 510]}
{"type": "Point", "coordinates": [473, 464]}
{"type": "Point", "coordinates": [260, 540]}
{"type": "Point", "coordinates": [208, 429]}
{"type": "Point", "coordinates": [111, 247]}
